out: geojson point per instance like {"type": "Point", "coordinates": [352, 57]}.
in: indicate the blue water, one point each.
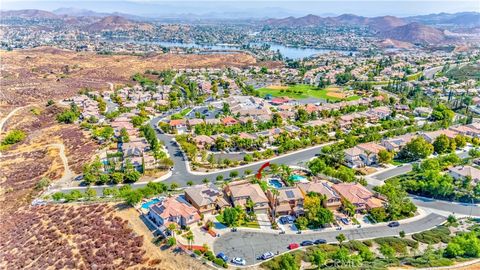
{"type": "Point", "coordinates": [150, 203]}
{"type": "Point", "coordinates": [286, 51]}
{"type": "Point", "coordinates": [275, 183]}
{"type": "Point", "coordinates": [297, 178]}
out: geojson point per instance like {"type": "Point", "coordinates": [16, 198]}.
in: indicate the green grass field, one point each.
{"type": "Point", "coordinates": [301, 91]}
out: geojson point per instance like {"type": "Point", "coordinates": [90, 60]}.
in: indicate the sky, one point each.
{"type": "Point", "coordinates": [271, 9]}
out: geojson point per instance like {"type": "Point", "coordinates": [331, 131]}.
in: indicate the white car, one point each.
{"type": "Point", "coordinates": [239, 261]}
{"type": "Point", "coordinates": [267, 255]}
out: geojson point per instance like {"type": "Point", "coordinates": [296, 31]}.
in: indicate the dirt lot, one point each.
{"type": "Point", "coordinates": [40, 74]}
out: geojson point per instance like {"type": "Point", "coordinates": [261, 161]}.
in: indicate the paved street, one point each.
{"type": "Point", "coordinates": [250, 245]}
{"type": "Point", "coordinates": [393, 172]}
{"type": "Point", "coordinates": [450, 207]}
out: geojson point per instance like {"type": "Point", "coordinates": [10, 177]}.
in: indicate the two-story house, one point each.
{"type": "Point", "coordinates": [173, 210]}
{"type": "Point", "coordinates": [332, 199]}
{"type": "Point", "coordinates": [242, 191]}
{"type": "Point", "coordinates": [288, 201]}
{"type": "Point", "coordinates": [207, 199]}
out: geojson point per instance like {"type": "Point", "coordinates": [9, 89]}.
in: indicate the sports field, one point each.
{"type": "Point", "coordinates": [301, 91]}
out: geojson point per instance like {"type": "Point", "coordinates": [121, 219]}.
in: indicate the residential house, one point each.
{"type": "Point", "coordinates": [397, 143]}
{"type": "Point", "coordinates": [242, 191]}
{"type": "Point", "coordinates": [431, 136]}
{"type": "Point", "coordinates": [461, 172]}
{"type": "Point", "coordinates": [173, 210]}
{"type": "Point", "coordinates": [178, 125]}
{"type": "Point", "coordinates": [203, 141]}
{"type": "Point", "coordinates": [358, 195]}
{"type": "Point", "coordinates": [229, 121]}
{"type": "Point", "coordinates": [365, 154]}
{"type": "Point", "coordinates": [332, 199]}
{"type": "Point", "coordinates": [207, 199]}
{"type": "Point", "coordinates": [289, 201]}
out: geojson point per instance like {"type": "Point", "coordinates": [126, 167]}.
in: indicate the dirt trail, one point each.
{"type": "Point", "coordinates": [4, 120]}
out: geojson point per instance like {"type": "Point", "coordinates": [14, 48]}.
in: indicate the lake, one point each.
{"type": "Point", "coordinates": [286, 51]}
{"type": "Point", "coordinates": [289, 52]}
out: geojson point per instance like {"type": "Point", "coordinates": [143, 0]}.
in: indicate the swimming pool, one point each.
{"type": "Point", "coordinates": [147, 205]}
{"type": "Point", "coordinates": [273, 182]}
{"type": "Point", "coordinates": [297, 178]}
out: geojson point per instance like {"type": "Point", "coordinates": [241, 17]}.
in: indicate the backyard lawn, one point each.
{"type": "Point", "coordinates": [301, 91]}
{"type": "Point", "coordinates": [248, 224]}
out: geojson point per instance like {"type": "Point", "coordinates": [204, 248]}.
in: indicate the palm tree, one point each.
{"type": "Point", "coordinates": [171, 228]}
{"type": "Point", "coordinates": [189, 237]}
{"type": "Point", "coordinates": [274, 197]}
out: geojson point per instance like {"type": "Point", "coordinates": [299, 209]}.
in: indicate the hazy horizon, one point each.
{"type": "Point", "coordinates": [253, 9]}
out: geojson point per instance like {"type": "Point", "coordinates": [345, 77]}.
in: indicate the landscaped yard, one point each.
{"type": "Point", "coordinates": [181, 114]}
{"type": "Point", "coordinates": [301, 91]}
{"type": "Point", "coordinates": [248, 224]}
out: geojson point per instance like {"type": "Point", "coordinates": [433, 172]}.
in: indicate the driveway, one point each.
{"type": "Point", "coordinates": [264, 222]}
{"type": "Point", "coordinates": [250, 245]}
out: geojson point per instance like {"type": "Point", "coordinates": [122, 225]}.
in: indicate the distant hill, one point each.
{"type": "Point", "coordinates": [460, 19]}
{"type": "Point", "coordinates": [377, 23]}
{"type": "Point", "coordinates": [415, 33]}
{"type": "Point", "coordinates": [116, 23]}
{"type": "Point", "coordinates": [29, 13]}
{"type": "Point", "coordinates": [76, 12]}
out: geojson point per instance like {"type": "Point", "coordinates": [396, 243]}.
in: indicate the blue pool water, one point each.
{"type": "Point", "coordinates": [275, 183]}
{"type": "Point", "coordinates": [297, 178]}
{"type": "Point", "coordinates": [147, 205]}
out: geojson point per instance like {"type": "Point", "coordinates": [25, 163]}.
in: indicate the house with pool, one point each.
{"type": "Point", "coordinates": [289, 201]}
{"type": "Point", "coordinates": [172, 210]}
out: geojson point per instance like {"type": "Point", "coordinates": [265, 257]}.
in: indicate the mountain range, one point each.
{"type": "Point", "coordinates": [422, 29]}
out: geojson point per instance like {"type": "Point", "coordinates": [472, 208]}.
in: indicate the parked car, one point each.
{"type": "Point", "coordinates": [344, 221]}
{"type": "Point", "coordinates": [306, 243]}
{"type": "Point", "coordinates": [320, 241]}
{"type": "Point", "coordinates": [238, 261]}
{"type": "Point", "coordinates": [293, 246]}
{"type": "Point", "coordinates": [234, 229]}
{"type": "Point", "coordinates": [393, 224]}
{"type": "Point", "coordinates": [222, 256]}
{"type": "Point", "coordinates": [266, 256]}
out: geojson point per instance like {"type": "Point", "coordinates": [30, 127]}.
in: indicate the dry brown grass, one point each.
{"type": "Point", "coordinates": [44, 73]}
{"type": "Point", "coordinates": [335, 92]}
{"type": "Point", "coordinates": [24, 164]}
{"type": "Point", "coordinates": [277, 87]}
{"type": "Point", "coordinates": [69, 237]}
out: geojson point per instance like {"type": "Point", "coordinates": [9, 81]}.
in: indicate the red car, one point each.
{"type": "Point", "coordinates": [293, 246]}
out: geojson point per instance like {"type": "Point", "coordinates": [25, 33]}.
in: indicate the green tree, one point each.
{"type": "Point", "coordinates": [233, 174]}
{"type": "Point", "coordinates": [318, 258]}
{"type": "Point", "coordinates": [301, 223]}
{"type": "Point", "coordinates": [133, 197]}
{"type": "Point", "coordinates": [90, 193]}
{"type": "Point", "coordinates": [13, 137]}
{"type": "Point", "coordinates": [341, 238]}
{"type": "Point", "coordinates": [190, 183]}
{"type": "Point", "coordinates": [288, 262]}
{"type": "Point", "coordinates": [442, 144]}
{"type": "Point", "coordinates": [416, 149]}
{"type": "Point", "coordinates": [385, 156]}
{"type": "Point", "coordinates": [230, 216]}
{"type": "Point", "coordinates": [171, 241]}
